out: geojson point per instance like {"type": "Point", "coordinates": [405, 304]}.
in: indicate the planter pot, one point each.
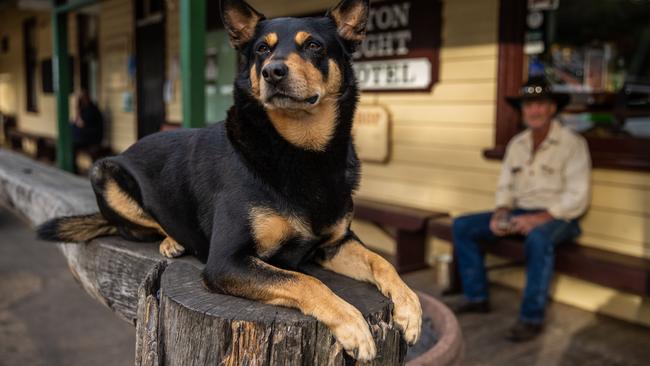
{"type": "Point", "coordinates": [448, 350]}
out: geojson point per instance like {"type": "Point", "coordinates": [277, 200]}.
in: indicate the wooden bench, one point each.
{"type": "Point", "coordinates": [615, 270]}
{"type": "Point", "coordinates": [410, 225]}
{"type": "Point", "coordinates": [45, 148]}
{"type": "Point", "coordinates": [7, 122]}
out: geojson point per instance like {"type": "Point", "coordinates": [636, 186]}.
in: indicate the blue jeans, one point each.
{"type": "Point", "coordinates": [470, 230]}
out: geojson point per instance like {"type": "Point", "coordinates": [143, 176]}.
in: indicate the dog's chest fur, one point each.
{"type": "Point", "coordinates": [306, 198]}
{"type": "Point", "coordinates": [288, 239]}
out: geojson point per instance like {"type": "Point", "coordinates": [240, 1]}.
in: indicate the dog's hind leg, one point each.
{"type": "Point", "coordinates": [120, 201]}
{"type": "Point", "coordinates": [354, 260]}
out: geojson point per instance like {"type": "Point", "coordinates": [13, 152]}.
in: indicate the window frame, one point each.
{"type": "Point", "coordinates": [30, 64]}
{"type": "Point", "coordinates": [627, 153]}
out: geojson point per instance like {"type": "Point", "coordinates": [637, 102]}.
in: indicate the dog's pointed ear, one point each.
{"type": "Point", "coordinates": [351, 17]}
{"type": "Point", "coordinates": [240, 20]}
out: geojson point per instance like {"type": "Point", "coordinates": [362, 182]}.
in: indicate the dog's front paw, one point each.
{"type": "Point", "coordinates": [170, 248]}
{"type": "Point", "coordinates": [407, 314]}
{"type": "Point", "coordinates": [353, 333]}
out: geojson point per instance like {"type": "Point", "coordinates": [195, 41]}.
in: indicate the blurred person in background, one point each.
{"type": "Point", "coordinates": [543, 189]}
{"type": "Point", "coordinates": [88, 125]}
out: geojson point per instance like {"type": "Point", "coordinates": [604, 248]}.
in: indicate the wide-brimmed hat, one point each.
{"type": "Point", "coordinates": [537, 87]}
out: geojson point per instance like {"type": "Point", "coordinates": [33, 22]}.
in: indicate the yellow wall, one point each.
{"type": "Point", "coordinates": [12, 83]}
{"type": "Point", "coordinates": [116, 44]}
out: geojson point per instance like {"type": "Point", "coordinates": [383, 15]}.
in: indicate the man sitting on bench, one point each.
{"type": "Point", "coordinates": [543, 188]}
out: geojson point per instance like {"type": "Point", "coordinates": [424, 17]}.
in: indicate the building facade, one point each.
{"type": "Point", "coordinates": [447, 122]}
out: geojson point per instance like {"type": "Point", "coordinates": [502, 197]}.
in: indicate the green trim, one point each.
{"type": "Point", "coordinates": [72, 5]}
{"type": "Point", "coordinates": [192, 23]}
{"type": "Point", "coordinates": [61, 74]}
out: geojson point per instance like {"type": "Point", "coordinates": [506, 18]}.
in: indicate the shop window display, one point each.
{"type": "Point", "coordinates": [599, 52]}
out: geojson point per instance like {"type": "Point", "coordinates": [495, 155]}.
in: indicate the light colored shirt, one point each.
{"type": "Point", "coordinates": [555, 178]}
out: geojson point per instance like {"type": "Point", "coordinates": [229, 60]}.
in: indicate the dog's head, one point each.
{"type": "Point", "coordinates": [298, 68]}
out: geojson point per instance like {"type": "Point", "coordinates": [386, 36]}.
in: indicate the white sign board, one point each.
{"type": "Point", "coordinates": [395, 74]}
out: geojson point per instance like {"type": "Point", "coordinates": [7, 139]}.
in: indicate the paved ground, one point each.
{"type": "Point", "coordinates": [573, 337]}
{"type": "Point", "coordinates": [47, 319]}
{"type": "Point", "coordinates": [45, 316]}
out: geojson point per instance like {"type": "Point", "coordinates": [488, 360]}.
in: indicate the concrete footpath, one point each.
{"type": "Point", "coordinates": [46, 318]}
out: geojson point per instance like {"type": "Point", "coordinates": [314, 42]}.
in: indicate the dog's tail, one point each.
{"type": "Point", "coordinates": [80, 228]}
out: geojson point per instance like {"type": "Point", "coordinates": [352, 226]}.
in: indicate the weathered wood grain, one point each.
{"type": "Point", "coordinates": [206, 328]}
{"type": "Point", "coordinates": [146, 338]}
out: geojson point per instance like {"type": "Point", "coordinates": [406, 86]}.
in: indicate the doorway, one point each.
{"type": "Point", "coordinates": [150, 66]}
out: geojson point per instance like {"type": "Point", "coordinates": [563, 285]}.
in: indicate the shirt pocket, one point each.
{"type": "Point", "coordinates": [551, 176]}
{"type": "Point", "coordinates": [517, 173]}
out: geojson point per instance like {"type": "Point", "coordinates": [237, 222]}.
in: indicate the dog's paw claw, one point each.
{"type": "Point", "coordinates": [170, 248]}
{"type": "Point", "coordinates": [354, 335]}
{"type": "Point", "coordinates": [407, 315]}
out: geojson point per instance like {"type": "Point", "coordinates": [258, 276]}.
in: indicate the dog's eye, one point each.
{"type": "Point", "coordinates": [314, 46]}
{"type": "Point", "coordinates": [263, 49]}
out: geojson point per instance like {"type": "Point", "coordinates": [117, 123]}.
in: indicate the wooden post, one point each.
{"type": "Point", "coordinates": [192, 23]}
{"type": "Point", "coordinates": [191, 326]}
{"type": "Point", "coordinates": [61, 75]}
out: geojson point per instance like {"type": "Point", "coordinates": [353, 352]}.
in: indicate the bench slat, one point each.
{"type": "Point", "coordinates": [411, 230]}
{"type": "Point", "coordinates": [615, 270]}
{"type": "Point", "coordinates": [406, 218]}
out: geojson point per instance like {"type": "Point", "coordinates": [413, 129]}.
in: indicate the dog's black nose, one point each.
{"type": "Point", "coordinates": [274, 72]}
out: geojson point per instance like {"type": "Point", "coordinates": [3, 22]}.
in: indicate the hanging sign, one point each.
{"type": "Point", "coordinates": [401, 48]}
{"type": "Point", "coordinates": [371, 131]}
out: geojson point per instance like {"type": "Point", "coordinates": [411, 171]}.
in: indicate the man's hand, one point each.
{"type": "Point", "coordinates": [524, 224]}
{"type": "Point", "coordinates": [496, 220]}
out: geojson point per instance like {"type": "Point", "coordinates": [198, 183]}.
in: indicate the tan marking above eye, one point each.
{"type": "Point", "coordinates": [271, 39]}
{"type": "Point", "coordinates": [301, 37]}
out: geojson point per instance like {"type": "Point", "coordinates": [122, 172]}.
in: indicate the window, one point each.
{"type": "Point", "coordinates": [30, 64]}
{"type": "Point", "coordinates": [599, 53]}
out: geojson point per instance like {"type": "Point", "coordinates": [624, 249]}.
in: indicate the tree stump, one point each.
{"type": "Point", "coordinates": [197, 327]}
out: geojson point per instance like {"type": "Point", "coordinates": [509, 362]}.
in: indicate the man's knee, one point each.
{"type": "Point", "coordinates": [461, 226]}
{"type": "Point", "coordinates": [539, 241]}
{"type": "Point", "coordinates": [464, 226]}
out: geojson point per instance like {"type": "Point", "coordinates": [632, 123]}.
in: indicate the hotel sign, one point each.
{"type": "Point", "coordinates": [401, 48]}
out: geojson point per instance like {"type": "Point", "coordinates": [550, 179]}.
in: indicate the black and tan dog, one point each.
{"type": "Point", "coordinates": [267, 190]}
